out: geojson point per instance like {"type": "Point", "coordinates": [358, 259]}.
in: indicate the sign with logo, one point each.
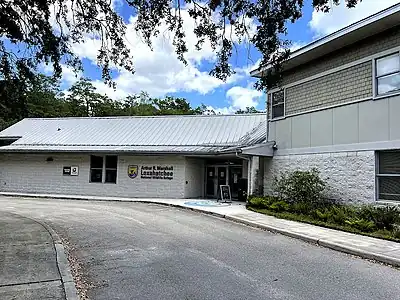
{"type": "Point", "coordinates": [71, 170]}
{"type": "Point", "coordinates": [157, 172]}
{"type": "Point", "coordinates": [67, 171]}
{"type": "Point", "coordinates": [74, 170]}
{"type": "Point", "coordinates": [133, 171]}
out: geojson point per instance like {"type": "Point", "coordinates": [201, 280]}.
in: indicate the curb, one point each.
{"type": "Point", "coordinates": [64, 269]}
{"type": "Point", "coordinates": [321, 242]}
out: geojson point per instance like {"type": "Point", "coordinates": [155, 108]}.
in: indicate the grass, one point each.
{"type": "Point", "coordinates": [382, 234]}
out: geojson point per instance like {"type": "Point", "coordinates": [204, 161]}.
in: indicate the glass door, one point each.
{"type": "Point", "coordinates": [235, 174]}
{"type": "Point", "coordinates": [210, 183]}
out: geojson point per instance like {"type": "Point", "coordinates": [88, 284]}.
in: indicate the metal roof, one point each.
{"type": "Point", "coordinates": [166, 134]}
{"type": "Point", "coordinates": [348, 35]}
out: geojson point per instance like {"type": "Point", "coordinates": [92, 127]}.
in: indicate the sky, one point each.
{"type": "Point", "coordinates": [160, 73]}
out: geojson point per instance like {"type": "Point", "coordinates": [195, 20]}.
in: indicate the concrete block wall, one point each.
{"type": "Point", "coordinates": [344, 86]}
{"type": "Point", "coordinates": [350, 176]}
{"type": "Point", "coordinates": [194, 178]}
{"type": "Point", "coordinates": [31, 173]}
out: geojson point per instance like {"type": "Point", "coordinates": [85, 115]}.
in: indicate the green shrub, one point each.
{"type": "Point", "coordinates": [300, 186]}
{"type": "Point", "coordinates": [303, 208]}
{"type": "Point", "coordinates": [361, 224]}
{"type": "Point", "coordinates": [322, 214]}
{"type": "Point", "coordinates": [383, 217]}
{"type": "Point", "coordinates": [396, 233]}
{"type": "Point", "coordinates": [341, 213]}
{"type": "Point", "coordinates": [279, 206]}
{"type": "Point", "coordinates": [261, 202]}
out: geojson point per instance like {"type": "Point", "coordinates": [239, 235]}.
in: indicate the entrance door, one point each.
{"type": "Point", "coordinates": [235, 174]}
{"type": "Point", "coordinates": [222, 178]}
{"type": "Point", "coordinates": [216, 176]}
{"type": "Point", "coordinates": [211, 191]}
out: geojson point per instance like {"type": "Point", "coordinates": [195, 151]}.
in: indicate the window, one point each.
{"type": "Point", "coordinates": [387, 70]}
{"type": "Point", "coordinates": [278, 104]}
{"type": "Point", "coordinates": [111, 169]}
{"type": "Point", "coordinates": [388, 175]}
{"type": "Point", "coordinates": [97, 168]}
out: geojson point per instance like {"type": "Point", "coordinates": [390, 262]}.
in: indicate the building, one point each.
{"type": "Point", "coordinates": [338, 109]}
{"type": "Point", "coordinates": [168, 156]}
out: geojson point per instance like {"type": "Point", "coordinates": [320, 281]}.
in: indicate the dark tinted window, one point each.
{"type": "Point", "coordinates": [96, 162]}
{"type": "Point", "coordinates": [111, 162]}
{"type": "Point", "coordinates": [96, 175]}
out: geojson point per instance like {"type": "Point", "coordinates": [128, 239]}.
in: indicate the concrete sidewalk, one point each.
{"type": "Point", "coordinates": [367, 247]}
{"type": "Point", "coordinates": [31, 266]}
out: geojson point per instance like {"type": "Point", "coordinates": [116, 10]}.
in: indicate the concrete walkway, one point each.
{"type": "Point", "coordinates": [367, 247]}
{"type": "Point", "coordinates": [31, 265]}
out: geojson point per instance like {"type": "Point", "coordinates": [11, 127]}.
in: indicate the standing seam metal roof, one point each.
{"type": "Point", "coordinates": [150, 134]}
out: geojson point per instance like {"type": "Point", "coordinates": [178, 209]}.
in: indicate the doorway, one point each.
{"type": "Point", "coordinates": [222, 175]}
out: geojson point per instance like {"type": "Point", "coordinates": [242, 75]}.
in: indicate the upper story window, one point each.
{"type": "Point", "coordinates": [278, 104]}
{"type": "Point", "coordinates": [388, 74]}
{"type": "Point", "coordinates": [103, 167]}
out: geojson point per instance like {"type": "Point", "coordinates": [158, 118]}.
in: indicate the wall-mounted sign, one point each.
{"type": "Point", "coordinates": [71, 170]}
{"type": "Point", "coordinates": [132, 171]}
{"type": "Point", "coordinates": [157, 172]}
{"type": "Point", "coordinates": [74, 170]}
{"type": "Point", "coordinates": [67, 171]}
{"type": "Point", "coordinates": [225, 193]}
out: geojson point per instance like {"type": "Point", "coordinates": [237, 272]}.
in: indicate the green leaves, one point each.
{"type": "Point", "coordinates": [46, 31]}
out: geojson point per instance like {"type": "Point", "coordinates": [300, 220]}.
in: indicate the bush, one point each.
{"type": "Point", "coordinates": [303, 208]}
{"type": "Point", "coordinates": [361, 224]}
{"type": "Point", "coordinates": [279, 206]}
{"type": "Point", "coordinates": [260, 202]}
{"type": "Point", "coordinates": [383, 217]}
{"type": "Point", "coordinates": [300, 186]}
{"type": "Point", "coordinates": [341, 213]}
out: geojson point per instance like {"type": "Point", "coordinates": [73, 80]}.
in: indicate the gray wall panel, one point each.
{"type": "Point", "coordinates": [321, 128]}
{"type": "Point", "coordinates": [364, 122]}
{"type": "Point", "coordinates": [301, 131]}
{"type": "Point", "coordinates": [345, 124]}
{"type": "Point", "coordinates": [373, 121]}
{"type": "Point", "coordinates": [272, 131]}
{"type": "Point", "coordinates": [394, 118]}
{"type": "Point", "coordinates": [284, 134]}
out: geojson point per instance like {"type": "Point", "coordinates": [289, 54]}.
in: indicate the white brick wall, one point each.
{"type": "Point", "coordinates": [31, 173]}
{"type": "Point", "coordinates": [194, 178]}
{"type": "Point", "coordinates": [350, 176]}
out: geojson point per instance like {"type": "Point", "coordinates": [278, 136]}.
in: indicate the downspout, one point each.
{"type": "Point", "coordinates": [267, 106]}
{"type": "Point", "coordinates": [249, 162]}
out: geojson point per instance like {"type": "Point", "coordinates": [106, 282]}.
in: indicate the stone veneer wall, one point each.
{"type": "Point", "coordinates": [350, 176]}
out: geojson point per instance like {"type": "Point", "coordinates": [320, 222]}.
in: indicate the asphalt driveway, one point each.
{"type": "Point", "coordinates": [147, 251]}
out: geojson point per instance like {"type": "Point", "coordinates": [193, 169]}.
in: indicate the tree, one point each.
{"type": "Point", "coordinates": [44, 98]}
{"type": "Point", "coordinates": [47, 29]}
{"type": "Point", "coordinates": [248, 110]}
{"type": "Point", "coordinates": [83, 99]}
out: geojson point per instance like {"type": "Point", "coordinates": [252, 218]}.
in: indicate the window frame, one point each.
{"type": "Point", "coordinates": [110, 169]}
{"type": "Point", "coordinates": [283, 102]}
{"type": "Point", "coordinates": [379, 175]}
{"type": "Point", "coordinates": [91, 168]}
{"type": "Point", "coordinates": [103, 169]}
{"type": "Point", "coordinates": [376, 77]}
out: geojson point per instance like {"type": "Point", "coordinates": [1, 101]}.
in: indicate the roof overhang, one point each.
{"type": "Point", "coordinates": [263, 149]}
{"type": "Point", "coordinates": [185, 151]}
{"type": "Point", "coordinates": [351, 34]}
